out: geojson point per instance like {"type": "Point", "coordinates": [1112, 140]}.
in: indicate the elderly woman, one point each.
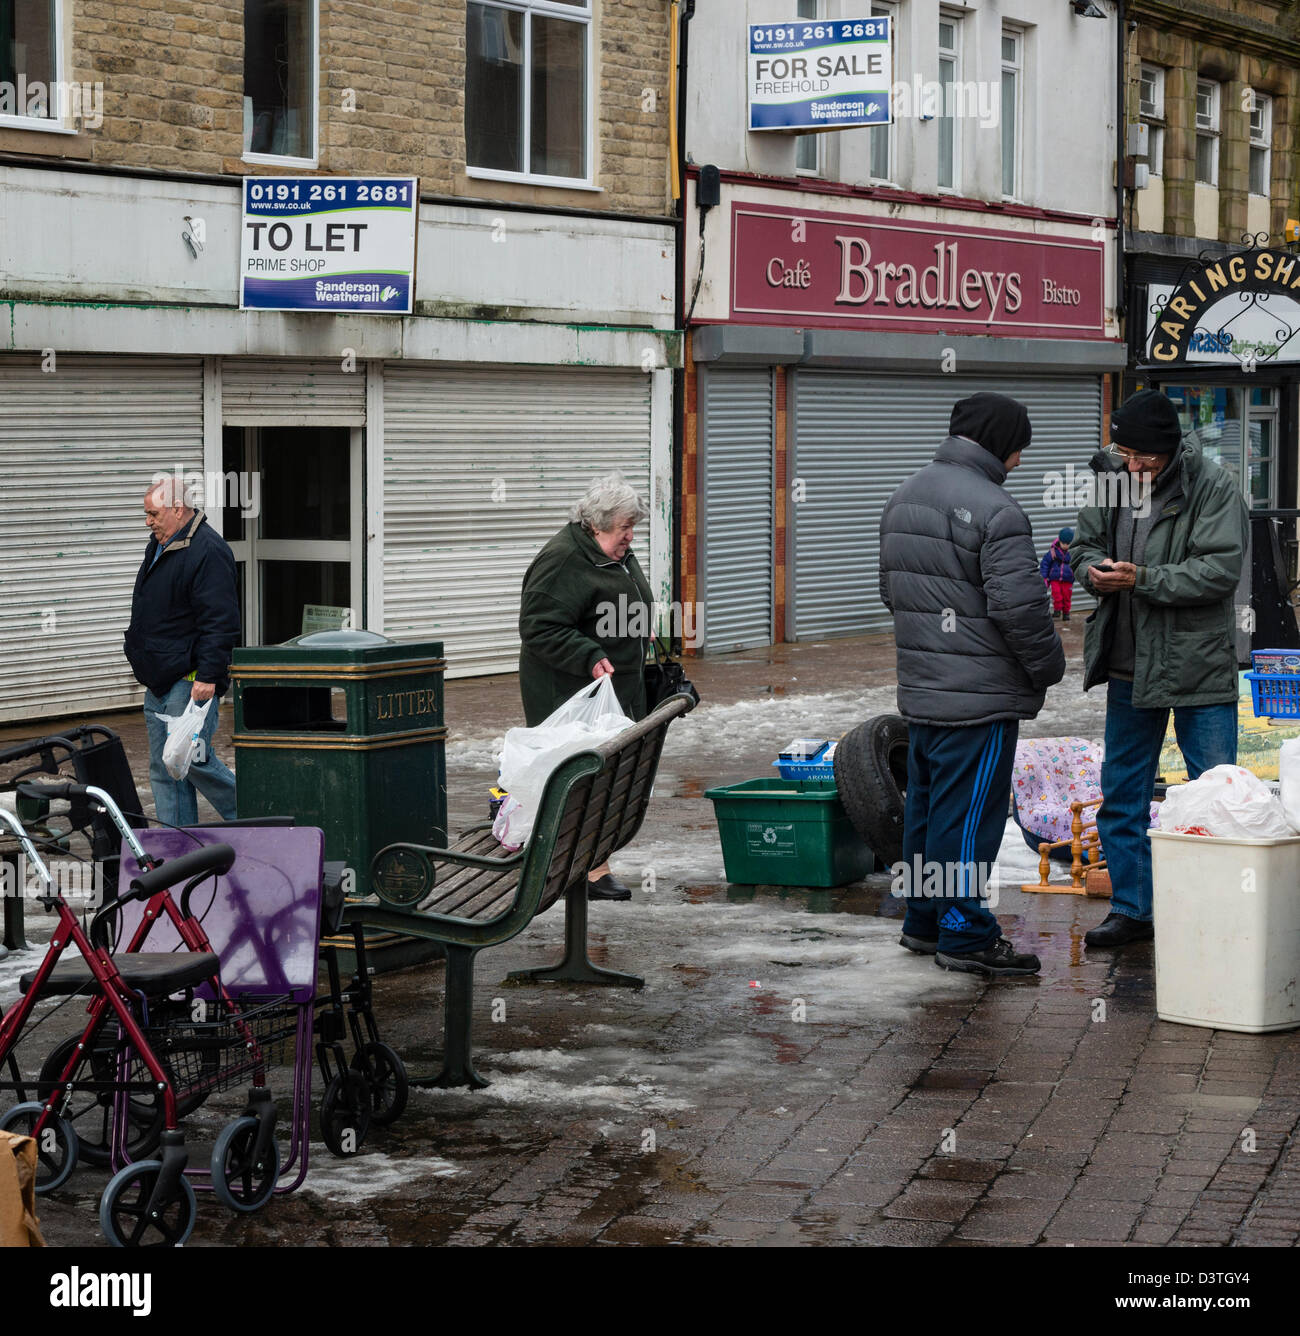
{"type": "Point", "coordinates": [586, 612]}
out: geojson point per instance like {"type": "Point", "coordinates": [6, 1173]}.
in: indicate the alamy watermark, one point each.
{"type": "Point", "coordinates": [1073, 489]}
{"type": "Point", "coordinates": [73, 878]}
{"type": "Point", "coordinates": [58, 100]}
{"type": "Point", "coordinates": [631, 619]}
{"type": "Point", "coordinates": [211, 489]}
{"type": "Point", "coordinates": [924, 879]}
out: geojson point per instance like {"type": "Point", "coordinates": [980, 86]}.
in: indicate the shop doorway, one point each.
{"type": "Point", "coordinates": [1237, 426]}
{"type": "Point", "coordinates": [297, 541]}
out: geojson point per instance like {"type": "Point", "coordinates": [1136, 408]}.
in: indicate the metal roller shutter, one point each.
{"type": "Point", "coordinates": [78, 448]}
{"type": "Point", "coordinates": [856, 437]}
{"type": "Point", "coordinates": [735, 520]}
{"type": "Point", "coordinates": [292, 393]}
{"type": "Point", "coordinates": [481, 467]}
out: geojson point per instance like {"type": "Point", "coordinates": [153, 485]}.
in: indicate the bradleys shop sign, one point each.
{"type": "Point", "coordinates": [320, 243]}
{"type": "Point", "coordinates": [805, 75]}
{"type": "Point", "coordinates": [845, 270]}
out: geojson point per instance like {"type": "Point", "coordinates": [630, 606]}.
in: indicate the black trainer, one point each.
{"type": "Point", "coordinates": [606, 888]}
{"type": "Point", "coordinates": [999, 959]}
{"type": "Point", "coordinates": [1119, 930]}
{"type": "Point", "coordinates": [923, 946]}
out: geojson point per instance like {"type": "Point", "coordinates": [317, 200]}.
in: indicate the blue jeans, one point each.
{"type": "Point", "coordinates": [954, 813]}
{"type": "Point", "coordinates": [176, 801]}
{"type": "Point", "coordinates": [1207, 736]}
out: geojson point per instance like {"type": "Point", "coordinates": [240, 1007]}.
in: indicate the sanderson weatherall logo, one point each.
{"type": "Point", "coordinates": [319, 243]}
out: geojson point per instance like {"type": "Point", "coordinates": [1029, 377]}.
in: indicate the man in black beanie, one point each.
{"type": "Point", "coordinates": [1163, 550]}
{"type": "Point", "coordinates": [976, 653]}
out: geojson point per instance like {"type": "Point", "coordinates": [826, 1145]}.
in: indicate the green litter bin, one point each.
{"type": "Point", "coordinates": [780, 832]}
{"type": "Point", "coordinates": [344, 730]}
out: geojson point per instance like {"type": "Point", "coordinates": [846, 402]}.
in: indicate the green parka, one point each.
{"type": "Point", "coordinates": [578, 607]}
{"type": "Point", "coordinates": [1183, 601]}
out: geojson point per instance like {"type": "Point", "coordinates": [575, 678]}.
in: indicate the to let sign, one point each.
{"type": "Point", "coordinates": [844, 270]}
{"type": "Point", "coordinates": [320, 243]}
{"type": "Point", "coordinates": [805, 75]}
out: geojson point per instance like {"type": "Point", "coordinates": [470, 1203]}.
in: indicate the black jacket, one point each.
{"type": "Point", "coordinates": [185, 611]}
{"type": "Point", "coordinates": [972, 618]}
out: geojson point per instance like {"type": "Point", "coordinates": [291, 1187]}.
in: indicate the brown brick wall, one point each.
{"type": "Point", "coordinates": [172, 72]}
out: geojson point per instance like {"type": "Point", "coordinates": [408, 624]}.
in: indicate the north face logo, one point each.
{"type": "Point", "coordinates": [961, 513]}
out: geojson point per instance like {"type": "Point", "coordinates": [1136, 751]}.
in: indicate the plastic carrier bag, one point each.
{"type": "Point", "coordinates": [183, 737]}
{"type": "Point", "coordinates": [589, 717]}
{"type": "Point", "coordinates": [1229, 802]}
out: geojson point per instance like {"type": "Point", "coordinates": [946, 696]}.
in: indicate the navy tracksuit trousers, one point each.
{"type": "Point", "coordinates": [954, 816]}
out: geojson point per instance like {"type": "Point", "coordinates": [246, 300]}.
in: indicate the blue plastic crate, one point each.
{"type": "Point", "coordinates": [1275, 695]}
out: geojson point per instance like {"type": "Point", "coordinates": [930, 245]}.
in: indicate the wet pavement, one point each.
{"type": "Point", "coordinates": [788, 1075]}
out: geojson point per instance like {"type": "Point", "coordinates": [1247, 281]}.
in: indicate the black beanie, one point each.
{"type": "Point", "coordinates": [999, 424]}
{"type": "Point", "coordinates": [1147, 422]}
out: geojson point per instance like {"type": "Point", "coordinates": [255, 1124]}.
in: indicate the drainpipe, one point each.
{"type": "Point", "coordinates": [682, 12]}
{"type": "Point", "coordinates": [1121, 155]}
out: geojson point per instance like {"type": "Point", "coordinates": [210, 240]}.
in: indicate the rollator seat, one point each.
{"type": "Point", "coordinates": [156, 973]}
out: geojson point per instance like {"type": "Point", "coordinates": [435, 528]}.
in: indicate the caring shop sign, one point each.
{"type": "Point", "coordinates": [805, 75]}
{"type": "Point", "coordinates": [320, 243]}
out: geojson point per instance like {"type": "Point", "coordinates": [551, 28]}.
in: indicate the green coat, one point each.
{"type": "Point", "coordinates": [576, 601]}
{"type": "Point", "coordinates": [1183, 601]}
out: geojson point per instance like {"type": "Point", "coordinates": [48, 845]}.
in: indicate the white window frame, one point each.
{"type": "Point", "coordinates": [1207, 127]}
{"type": "Point", "coordinates": [574, 14]}
{"type": "Point", "coordinates": [955, 54]}
{"type": "Point", "coordinates": [812, 140]}
{"type": "Point", "coordinates": [1261, 140]}
{"type": "Point", "coordinates": [884, 11]}
{"type": "Point", "coordinates": [57, 124]}
{"type": "Point", "coordinates": [1014, 66]}
{"type": "Point", "coordinates": [284, 160]}
{"type": "Point", "coordinates": [1152, 114]}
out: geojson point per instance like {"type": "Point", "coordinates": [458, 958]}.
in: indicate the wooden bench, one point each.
{"type": "Point", "coordinates": [473, 895]}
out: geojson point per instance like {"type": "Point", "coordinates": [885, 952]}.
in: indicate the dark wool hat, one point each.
{"type": "Point", "coordinates": [1147, 422]}
{"type": "Point", "coordinates": [1066, 536]}
{"type": "Point", "coordinates": [999, 424]}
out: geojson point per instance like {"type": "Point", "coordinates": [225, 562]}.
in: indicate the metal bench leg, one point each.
{"type": "Point", "coordinates": [576, 967]}
{"type": "Point", "coordinates": [15, 933]}
{"type": "Point", "coordinates": [458, 1009]}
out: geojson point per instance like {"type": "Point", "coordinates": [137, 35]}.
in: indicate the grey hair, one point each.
{"type": "Point", "coordinates": [606, 501]}
{"type": "Point", "coordinates": [173, 489]}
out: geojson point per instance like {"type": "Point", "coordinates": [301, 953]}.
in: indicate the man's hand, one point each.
{"type": "Point", "coordinates": [1113, 578]}
{"type": "Point", "coordinates": [602, 669]}
{"type": "Point", "coordinates": [202, 691]}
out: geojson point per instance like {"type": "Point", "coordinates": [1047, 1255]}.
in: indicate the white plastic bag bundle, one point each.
{"type": "Point", "coordinates": [1288, 770]}
{"type": "Point", "coordinates": [1229, 802]}
{"type": "Point", "coordinates": [586, 719]}
{"type": "Point", "coordinates": [183, 731]}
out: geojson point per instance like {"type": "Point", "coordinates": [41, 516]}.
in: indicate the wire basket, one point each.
{"type": "Point", "coordinates": [225, 1043]}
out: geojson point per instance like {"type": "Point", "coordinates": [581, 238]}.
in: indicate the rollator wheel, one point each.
{"type": "Point", "coordinates": [345, 1113]}
{"type": "Point", "coordinates": [56, 1145]}
{"type": "Point", "coordinates": [241, 1179]}
{"type": "Point", "coordinates": [91, 1111]}
{"type": "Point", "coordinates": [385, 1075]}
{"type": "Point", "coordinates": [123, 1210]}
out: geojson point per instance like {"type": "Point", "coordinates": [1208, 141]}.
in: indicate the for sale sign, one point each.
{"type": "Point", "coordinates": [806, 75]}
{"type": "Point", "coordinates": [319, 243]}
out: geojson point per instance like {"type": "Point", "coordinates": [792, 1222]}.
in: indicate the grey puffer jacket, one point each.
{"type": "Point", "coordinates": [972, 616]}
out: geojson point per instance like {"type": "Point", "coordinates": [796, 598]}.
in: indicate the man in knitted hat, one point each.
{"type": "Point", "coordinates": [976, 653]}
{"type": "Point", "coordinates": [1163, 552]}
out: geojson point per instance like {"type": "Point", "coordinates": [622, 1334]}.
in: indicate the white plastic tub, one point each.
{"type": "Point", "coordinates": [1227, 955]}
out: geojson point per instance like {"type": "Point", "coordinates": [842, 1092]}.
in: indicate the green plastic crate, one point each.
{"type": "Point", "coordinates": [780, 832]}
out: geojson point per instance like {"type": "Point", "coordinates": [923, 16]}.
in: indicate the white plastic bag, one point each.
{"type": "Point", "coordinates": [1288, 769]}
{"type": "Point", "coordinates": [1229, 802]}
{"type": "Point", "coordinates": [586, 719]}
{"type": "Point", "coordinates": [183, 737]}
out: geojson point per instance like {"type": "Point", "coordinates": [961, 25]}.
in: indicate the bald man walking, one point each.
{"type": "Point", "coordinates": [184, 626]}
